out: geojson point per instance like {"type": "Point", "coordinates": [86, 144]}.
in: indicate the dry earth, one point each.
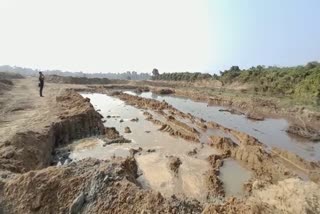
{"type": "Point", "coordinates": [32, 127]}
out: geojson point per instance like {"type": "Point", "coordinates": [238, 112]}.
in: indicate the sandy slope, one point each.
{"type": "Point", "coordinates": [25, 110]}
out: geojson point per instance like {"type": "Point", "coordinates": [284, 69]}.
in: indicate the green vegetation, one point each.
{"type": "Point", "coordinates": [301, 83]}
{"type": "Point", "coordinates": [185, 76]}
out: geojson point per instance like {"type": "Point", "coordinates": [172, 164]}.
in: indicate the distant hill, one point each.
{"type": "Point", "coordinates": [129, 75]}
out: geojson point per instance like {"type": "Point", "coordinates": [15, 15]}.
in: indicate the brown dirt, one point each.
{"type": "Point", "coordinates": [232, 111]}
{"type": "Point", "coordinates": [254, 116]}
{"type": "Point", "coordinates": [163, 91]}
{"type": "Point", "coordinates": [28, 135]}
{"type": "Point", "coordinates": [214, 183]}
{"type": "Point", "coordinates": [127, 130]}
{"type": "Point", "coordinates": [262, 106]}
{"type": "Point", "coordinates": [106, 186]}
{"type": "Point", "coordinates": [304, 131]}
{"type": "Point", "coordinates": [268, 167]}
{"type": "Point", "coordinates": [250, 152]}
{"type": "Point", "coordinates": [202, 91]}
{"type": "Point", "coordinates": [111, 133]}
{"type": "Point", "coordinates": [94, 186]}
{"type": "Point", "coordinates": [288, 196]}
{"type": "Point", "coordinates": [168, 123]}
{"type": "Point", "coordinates": [174, 164]}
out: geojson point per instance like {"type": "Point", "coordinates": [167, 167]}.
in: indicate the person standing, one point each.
{"type": "Point", "coordinates": [41, 82]}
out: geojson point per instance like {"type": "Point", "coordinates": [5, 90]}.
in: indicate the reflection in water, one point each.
{"type": "Point", "coordinates": [270, 131]}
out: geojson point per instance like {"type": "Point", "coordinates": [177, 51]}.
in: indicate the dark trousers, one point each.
{"type": "Point", "coordinates": [41, 88]}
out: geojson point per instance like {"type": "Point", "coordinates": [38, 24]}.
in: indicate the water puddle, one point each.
{"type": "Point", "coordinates": [233, 176]}
{"type": "Point", "coordinates": [270, 131]}
{"type": "Point", "coordinates": [157, 146]}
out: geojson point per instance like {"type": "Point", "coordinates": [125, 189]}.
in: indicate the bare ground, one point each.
{"type": "Point", "coordinates": [93, 186]}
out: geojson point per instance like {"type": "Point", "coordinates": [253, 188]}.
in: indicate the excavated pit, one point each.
{"type": "Point", "coordinates": [159, 145]}
{"type": "Point", "coordinates": [272, 132]}
{"type": "Point", "coordinates": [182, 156]}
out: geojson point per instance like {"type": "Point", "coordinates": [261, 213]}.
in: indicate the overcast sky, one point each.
{"type": "Point", "coordinates": [171, 35]}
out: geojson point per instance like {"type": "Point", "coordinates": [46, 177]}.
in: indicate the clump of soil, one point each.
{"type": "Point", "coordinates": [140, 90]}
{"type": "Point", "coordinates": [135, 151]}
{"type": "Point", "coordinates": [252, 155]}
{"type": "Point", "coordinates": [119, 140]}
{"type": "Point", "coordinates": [193, 152]}
{"type": "Point", "coordinates": [232, 206]}
{"type": "Point", "coordinates": [163, 91]}
{"type": "Point", "coordinates": [216, 161]}
{"type": "Point", "coordinates": [111, 133]}
{"type": "Point", "coordinates": [254, 116]}
{"type": "Point", "coordinates": [288, 196]}
{"type": "Point", "coordinates": [232, 111]}
{"type": "Point", "coordinates": [112, 136]}
{"type": "Point", "coordinates": [87, 186]}
{"type": "Point", "coordinates": [134, 119]}
{"type": "Point", "coordinates": [127, 130]}
{"type": "Point", "coordinates": [214, 184]}
{"type": "Point", "coordinates": [306, 132]}
{"type": "Point", "coordinates": [174, 164]}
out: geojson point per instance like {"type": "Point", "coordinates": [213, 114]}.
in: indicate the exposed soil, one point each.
{"type": "Point", "coordinates": [112, 133]}
{"type": "Point", "coordinates": [209, 91]}
{"type": "Point", "coordinates": [127, 130]}
{"type": "Point", "coordinates": [232, 111]}
{"type": "Point", "coordinates": [174, 164]}
{"type": "Point", "coordinates": [169, 124]}
{"type": "Point", "coordinates": [250, 151]}
{"type": "Point", "coordinates": [32, 128]}
{"type": "Point", "coordinates": [63, 119]}
{"type": "Point", "coordinates": [304, 131]}
{"type": "Point", "coordinates": [292, 196]}
{"type": "Point", "coordinates": [88, 186]}
{"type": "Point", "coordinates": [163, 91]}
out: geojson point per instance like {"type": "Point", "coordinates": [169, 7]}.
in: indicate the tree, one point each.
{"type": "Point", "coordinates": [234, 68]}
{"type": "Point", "coordinates": [312, 65]}
{"type": "Point", "coordinates": [155, 72]}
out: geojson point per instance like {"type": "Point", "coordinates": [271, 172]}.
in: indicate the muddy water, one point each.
{"type": "Point", "coordinates": [189, 181]}
{"type": "Point", "coordinates": [227, 174]}
{"type": "Point", "coordinates": [270, 131]}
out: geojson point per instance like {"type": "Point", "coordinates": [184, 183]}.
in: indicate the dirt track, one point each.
{"type": "Point", "coordinates": [31, 127]}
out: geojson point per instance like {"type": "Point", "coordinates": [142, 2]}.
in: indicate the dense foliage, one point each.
{"type": "Point", "coordinates": [298, 82]}
{"type": "Point", "coordinates": [185, 76]}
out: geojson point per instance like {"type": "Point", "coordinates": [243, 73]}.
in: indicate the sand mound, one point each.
{"type": "Point", "coordinates": [288, 196]}
{"type": "Point", "coordinates": [87, 186]}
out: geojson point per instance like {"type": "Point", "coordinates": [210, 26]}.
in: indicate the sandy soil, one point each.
{"type": "Point", "coordinates": [31, 127]}
{"type": "Point", "coordinates": [299, 115]}
{"type": "Point", "coordinates": [25, 110]}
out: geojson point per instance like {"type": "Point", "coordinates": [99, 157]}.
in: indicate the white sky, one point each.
{"type": "Point", "coordinates": [106, 35]}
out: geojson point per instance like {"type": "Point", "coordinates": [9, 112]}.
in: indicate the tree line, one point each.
{"type": "Point", "coordinates": [302, 82]}
{"type": "Point", "coordinates": [129, 75]}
